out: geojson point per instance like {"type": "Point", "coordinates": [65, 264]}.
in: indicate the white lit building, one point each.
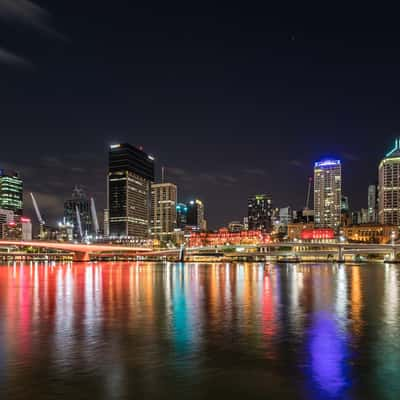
{"type": "Point", "coordinates": [389, 187]}
{"type": "Point", "coordinates": [163, 210]}
{"type": "Point", "coordinates": [327, 193]}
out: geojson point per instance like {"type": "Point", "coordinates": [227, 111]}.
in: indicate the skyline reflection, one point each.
{"type": "Point", "coordinates": [121, 328]}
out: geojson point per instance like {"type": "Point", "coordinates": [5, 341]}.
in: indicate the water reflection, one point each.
{"type": "Point", "coordinates": [115, 330]}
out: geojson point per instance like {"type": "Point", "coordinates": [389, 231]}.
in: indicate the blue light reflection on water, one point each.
{"type": "Point", "coordinates": [328, 371]}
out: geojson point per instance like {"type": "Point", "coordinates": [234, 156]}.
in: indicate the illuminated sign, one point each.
{"type": "Point", "coordinates": [327, 163]}
{"type": "Point", "coordinates": [115, 146]}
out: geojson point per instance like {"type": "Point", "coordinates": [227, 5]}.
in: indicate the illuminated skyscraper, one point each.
{"type": "Point", "coordinates": [327, 193]}
{"type": "Point", "coordinates": [11, 192]}
{"type": "Point", "coordinates": [389, 187]}
{"type": "Point", "coordinates": [131, 172]}
{"type": "Point", "coordinates": [195, 215]}
{"type": "Point", "coordinates": [163, 200]}
{"type": "Point", "coordinates": [259, 208]}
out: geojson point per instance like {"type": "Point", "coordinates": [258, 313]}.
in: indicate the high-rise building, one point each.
{"type": "Point", "coordinates": [77, 212]}
{"type": "Point", "coordinates": [372, 204]}
{"type": "Point", "coordinates": [11, 192]}
{"type": "Point", "coordinates": [389, 187]}
{"type": "Point", "coordinates": [327, 193]}
{"type": "Point", "coordinates": [181, 215]}
{"type": "Point", "coordinates": [259, 209]}
{"type": "Point", "coordinates": [130, 174]}
{"type": "Point", "coordinates": [163, 210]}
{"type": "Point", "coordinates": [195, 215]}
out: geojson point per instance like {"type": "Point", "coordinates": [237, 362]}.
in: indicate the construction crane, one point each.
{"type": "Point", "coordinates": [37, 211]}
{"type": "Point", "coordinates": [307, 206]}
{"type": "Point", "coordinates": [94, 216]}
{"type": "Point", "coordinates": [39, 217]}
{"type": "Point", "coordinates": [78, 220]}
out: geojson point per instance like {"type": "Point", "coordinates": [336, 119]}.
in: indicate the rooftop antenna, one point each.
{"type": "Point", "coordinates": [162, 174]}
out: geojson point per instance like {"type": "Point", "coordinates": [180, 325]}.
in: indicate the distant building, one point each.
{"type": "Point", "coordinates": [223, 237]}
{"type": "Point", "coordinates": [259, 209]}
{"type": "Point", "coordinates": [77, 213]}
{"type": "Point", "coordinates": [372, 204]}
{"type": "Point", "coordinates": [246, 223]}
{"type": "Point", "coordinates": [181, 215]}
{"type": "Point", "coordinates": [285, 216]}
{"type": "Point", "coordinates": [195, 215]}
{"type": "Point", "coordinates": [370, 233]}
{"type": "Point", "coordinates": [20, 229]}
{"type": "Point", "coordinates": [106, 227]}
{"type": "Point", "coordinates": [64, 232]}
{"type": "Point", "coordinates": [11, 192]}
{"type": "Point", "coordinates": [327, 193]}
{"type": "Point", "coordinates": [164, 200]}
{"type": "Point", "coordinates": [6, 216]}
{"type": "Point", "coordinates": [294, 230]}
{"type": "Point", "coordinates": [130, 174]}
{"type": "Point", "coordinates": [345, 215]}
{"type": "Point", "coordinates": [235, 226]}
{"type": "Point", "coordinates": [359, 217]}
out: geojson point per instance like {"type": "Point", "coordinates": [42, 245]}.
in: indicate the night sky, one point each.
{"type": "Point", "coordinates": [233, 101]}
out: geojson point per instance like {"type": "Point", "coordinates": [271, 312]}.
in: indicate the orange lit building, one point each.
{"type": "Point", "coordinates": [224, 237]}
{"type": "Point", "coordinates": [364, 233]}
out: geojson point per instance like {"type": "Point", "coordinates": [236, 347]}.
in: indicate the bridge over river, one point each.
{"type": "Point", "coordinates": [264, 252]}
{"type": "Point", "coordinates": [79, 251]}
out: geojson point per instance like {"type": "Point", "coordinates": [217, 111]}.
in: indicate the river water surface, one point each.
{"type": "Point", "coordinates": [199, 331]}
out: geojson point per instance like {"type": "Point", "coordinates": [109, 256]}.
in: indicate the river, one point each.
{"type": "Point", "coordinates": [199, 331]}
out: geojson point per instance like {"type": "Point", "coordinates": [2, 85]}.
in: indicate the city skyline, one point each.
{"type": "Point", "coordinates": [224, 219]}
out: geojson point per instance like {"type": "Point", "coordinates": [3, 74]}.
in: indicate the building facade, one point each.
{"type": "Point", "coordinates": [327, 193]}
{"type": "Point", "coordinates": [164, 202]}
{"type": "Point", "coordinates": [259, 209]}
{"type": "Point", "coordinates": [6, 216]}
{"type": "Point", "coordinates": [130, 175]}
{"type": "Point", "coordinates": [20, 229]}
{"type": "Point", "coordinates": [181, 215]}
{"type": "Point", "coordinates": [11, 192]}
{"type": "Point", "coordinates": [370, 233]}
{"type": "Point", "coordinates": [389, 187]}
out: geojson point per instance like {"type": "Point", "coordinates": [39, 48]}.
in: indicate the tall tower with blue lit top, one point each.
{"type": "Point", "coordinates": [327, 193]}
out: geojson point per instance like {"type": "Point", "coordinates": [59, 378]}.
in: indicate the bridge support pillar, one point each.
{"type": "Point", "coordinates": [182, 254]}
{"type": "Point", "coordinates": [340, 254]}
{"type": "Point", "coordinates": [81, 257]}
